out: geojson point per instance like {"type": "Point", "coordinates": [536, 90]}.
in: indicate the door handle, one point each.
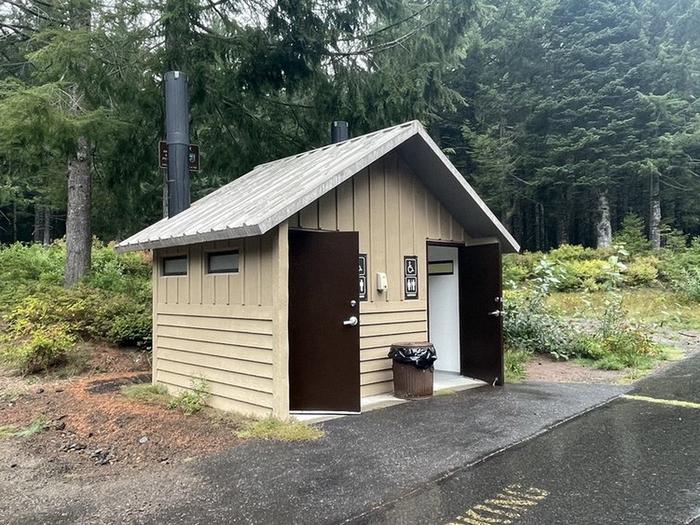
{"type": "Point", "coordinates": [497, 313]}
{"type": "Point", "coordinates": [351, 321]}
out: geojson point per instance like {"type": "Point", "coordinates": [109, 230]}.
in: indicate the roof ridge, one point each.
{"type": "Point", "coordinates": [339, 144]}
{"type": "Point", "coordinates": [226, 187]}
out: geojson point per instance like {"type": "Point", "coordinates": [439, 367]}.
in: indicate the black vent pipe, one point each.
{"type": "Point", "coordinates": [177, 137]}
{"type": "Point", "coordinates": [339, 131]}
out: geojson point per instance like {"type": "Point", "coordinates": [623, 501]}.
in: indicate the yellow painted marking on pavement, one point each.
{"type": "Point", "coordinates": [508, 505]}
{"type": "Point", "coordinates": [485, 519]}
{"type": "Point", "coordinates": [669, 402]}
{"type": "Point", "coordinates": [500, 512]}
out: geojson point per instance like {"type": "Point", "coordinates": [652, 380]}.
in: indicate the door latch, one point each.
{"type": "Point", "coordinates": [497, 313]}
{"type": "Point", "coordinates": [351, 321]}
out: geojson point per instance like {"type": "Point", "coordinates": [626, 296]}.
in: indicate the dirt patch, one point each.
{"type": "Point", "coordinates": [545, 368]}
{"type": "Point", "coordinates": [92, 429]}
{"type": "Point", "coordinates": [104, 357]}
{"type": "Point", "coordinates": [104, 386]}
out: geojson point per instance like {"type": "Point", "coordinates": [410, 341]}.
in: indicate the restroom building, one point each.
{"type": "Point", "coordinates": [285, 288]}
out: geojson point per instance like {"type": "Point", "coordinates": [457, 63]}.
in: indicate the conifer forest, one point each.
{"type": "Point", "coordinates": [566, 116]}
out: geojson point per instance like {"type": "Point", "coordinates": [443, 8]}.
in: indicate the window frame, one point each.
{"type": "Point", "coordinates": [450, 261]}
{"type": "Point", "coordinates": [232, 251]}
{"type": "Point", "coordinates": [173, 257]}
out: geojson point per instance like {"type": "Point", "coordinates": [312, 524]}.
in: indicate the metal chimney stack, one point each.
{"type": "Point", "coordinates": [177, 137]}
{"type": "Point", "coordinates": [339, 131]}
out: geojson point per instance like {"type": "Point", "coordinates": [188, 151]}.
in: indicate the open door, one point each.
{"type": "Point", "coordinates": [480, 304]}
{"type": "Point", "coordinates": [324, 332]}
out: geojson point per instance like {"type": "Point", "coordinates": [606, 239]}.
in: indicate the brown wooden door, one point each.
{"type": "Point", "coordinates": [324, 353]}
{"type": "Point", "coordinates": [480, 305]}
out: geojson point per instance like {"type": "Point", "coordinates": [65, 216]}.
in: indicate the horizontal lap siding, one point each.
{"type": "Point", "coordinates": [395, 322]}
{"type": "Point", "coordinates": [218, 327]}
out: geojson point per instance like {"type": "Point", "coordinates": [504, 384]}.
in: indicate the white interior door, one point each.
{"type": "Point", "coordinates": [443, 304]}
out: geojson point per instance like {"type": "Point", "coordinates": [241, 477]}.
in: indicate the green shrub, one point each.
{"type": "Point", "coordinates": [132, 329]}
{"type": "Point", "coordinates": [576, 252]}
{"type": "Point", "coordinates": [122, 273]}
{"type": "Point", "coordinates": [515, 361]}
{"type": "Point", "coordinates": [575, 273]}
{"type": "Point", "coordinates": [673, 240]}
{"type": "Point", "coordinates": [618, 343]}
{"type": "Point", "coordinates": [631, 235]}
{"type": "Point", "coordinates": [513, 273]}
{"type": "Point", "coordinates": [42, 320]}
{"type": "Point", "coordinates": [688, 284]}
{"type": "Point", "coordinates": [529, 326]}
{"type": "Point", "coordinates": [191, 401]}
{"type": "Point", "coordinates": [675, 265]}
{"type": "Point", "coordinates": [642, 271]}
{"type": "Point", "coordinates": [39, 352]}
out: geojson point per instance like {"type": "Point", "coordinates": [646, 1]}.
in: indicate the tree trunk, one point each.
{"type": "Point", "coordinates": [46, 229]}
{"type": "Point", "coordinates": [603, 226]}
{"type": "Point", "coordinates": [38, 223]}
{"type": "Point", "coordinates": [563, 220]}
{"type": "Point", "coordinates": [654, 210]}
{"type": "Point", "coordinates": [78, 216]}
{"type": "Point", "coordinates": [563, 230]}
{"type": "Point", "coordinates": [78, 229]}
{"type": "Point", "coordinates": [14, 222]}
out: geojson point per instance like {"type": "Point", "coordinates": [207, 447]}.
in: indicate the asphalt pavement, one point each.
{"type": "Point", "coordinates": [633, 461]}
{"type": "Point", "coordinates": [362, 462]}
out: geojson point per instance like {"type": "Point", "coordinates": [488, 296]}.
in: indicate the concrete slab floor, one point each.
{"type": "Point", "coordinates": [443, 383]}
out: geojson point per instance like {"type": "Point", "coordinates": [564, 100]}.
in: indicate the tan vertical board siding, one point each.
{"type": "Point", "coordinates": [395, 215]}
{"type": "Point", "coordinates": [218, 327]}
{"type": "Point", "coordinates": [327, 219]}
{"type": "Point", "coordinates": [308, 217]}
{"type": "Point", "coordinates": [361, 223]}
{"type": "Point", "coordinates": [394, 256]}
{"type": "Point", "coordinates": [377, 226]}
{"type": "Point", "coordinates": [346, 203]}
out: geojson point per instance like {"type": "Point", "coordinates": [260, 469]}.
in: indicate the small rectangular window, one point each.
{"type": "Point", "coordinates": [222, 262]}
{"type": "Point", "coordinates": [175, 265]}
{"type": "Point", "coordinates": [441, 268]}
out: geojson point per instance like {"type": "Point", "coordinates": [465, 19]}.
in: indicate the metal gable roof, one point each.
{"type": "Point", "coordinates": [271, 193]}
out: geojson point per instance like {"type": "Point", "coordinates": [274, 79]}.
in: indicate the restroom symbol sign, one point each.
{"type": "Point", "coordinates": [411, 287]}
{"type": "Point", "coordinates": [362, 269]}
{"type": "Point", "coordinates": [411, 266]}
{"type": "Point", "coordinates": [410, 277]}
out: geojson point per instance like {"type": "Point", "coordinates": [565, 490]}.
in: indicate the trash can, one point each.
{"type": "Point", "coordinates": [413, 369]}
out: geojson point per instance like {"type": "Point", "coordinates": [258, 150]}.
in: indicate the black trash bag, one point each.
{"type": "Point", "coordinates": [421, 357]}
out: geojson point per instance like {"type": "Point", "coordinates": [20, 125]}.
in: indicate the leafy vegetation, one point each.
{"type": "Point", "coordinates": [515, 361]}
{"type": "Point", "coordinates": [617, 343]}
{"type": "Point", "coordinates": [191, 401]}
{"type": "Point", "coordinates": [607, 322]}
{"type": "Point", "coordinates": [38, 425]}
{"type": "Point", "coordinates": [575, 268]}
{"type": "Point", "coordinates": [147, 393]}
{"type": "Point", "coordinates": [44, 323]}
{"type": "Point", "coordinates": [549, 108]}
{"type": "Point", "coordinates": [188, 401]}
{"type": "Point", "coordinates": [271, 428]}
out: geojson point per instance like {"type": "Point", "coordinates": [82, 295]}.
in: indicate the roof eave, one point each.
{"type": "Point", "coordinates": [194, 238]}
